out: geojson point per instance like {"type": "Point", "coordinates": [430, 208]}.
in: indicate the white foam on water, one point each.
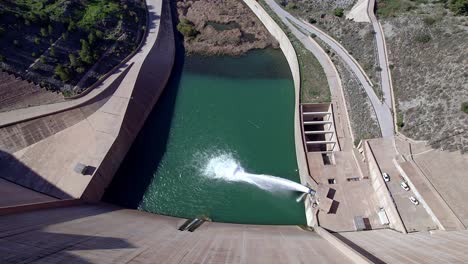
{"type": "Point", "coordinates": [227, 168]}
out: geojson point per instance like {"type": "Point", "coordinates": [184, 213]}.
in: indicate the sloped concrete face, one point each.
{"type": "Point", "coordinates": [104, 234]}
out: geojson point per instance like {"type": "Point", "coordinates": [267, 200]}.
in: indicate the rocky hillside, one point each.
{"type": "Point", "coordinates": [221, 27]}
{"type": "Point", "coordinates": [54, 43]}
{"type": "Point", "coordinates": [428, 54]}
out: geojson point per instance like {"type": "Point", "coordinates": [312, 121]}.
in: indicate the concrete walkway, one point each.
{"type": "Point", "coordinates": [385, 75]}
{"type": "Point", "coordinates": [383, 112]}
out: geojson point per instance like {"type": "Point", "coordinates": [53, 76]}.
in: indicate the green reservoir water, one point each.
{"type": "Point", "coordinates": [237, 107]}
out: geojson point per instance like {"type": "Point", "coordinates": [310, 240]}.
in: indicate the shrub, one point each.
{"type": "Point", "coordinates": [52, 52]}
{"type": "Point", "coordinates": [459, 7]}
{"type": "Point", "coordinates": [85, 52]}
{"type": "Point", "coordinates": [62, 72]}
{"type": "Point", "coordinates": [71, 26]}
{"type": "Point", "coordinates": [37, 40]}
{"type": "Point", "coordinates": [80, 70]}
{"type": "Point", "coordinates": [33, 54]}
{"type": "Point", "coordinates": [43, 32]}
{"type": "Point", "coordinates": [464, 107]}
{"type": "Point", "coordinates": [73, 60]}
{"type": "Point", "coordinates": [339, 12]}
{"type": "Point", "coordinates": [429, 21]}
{"type": "Point", "coordinates": [400, 122]}
{"type": "Point", "coordinates": [187, 28]}
{"type": "Point", "coordinates": [42, 59]}
{"type": "Point", "coordinates": [291, 6]}
{"type": "Point", "coordinates": [50, 29]}
{"type": "Point", "coordinates": [64, 36]}
{"type": "Point", "coordinates": [423, 38]}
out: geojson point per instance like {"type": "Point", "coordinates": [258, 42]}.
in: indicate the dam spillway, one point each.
{"type": "Point", "coordinates": [237, 106]}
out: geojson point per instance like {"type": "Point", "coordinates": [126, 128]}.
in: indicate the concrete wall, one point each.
{"type": "Point", "coordinates": [291, 57]}
{"type": "Point", "coordinates": [152, 79]}
{"type": "Point", "coordinates": [382, 192]}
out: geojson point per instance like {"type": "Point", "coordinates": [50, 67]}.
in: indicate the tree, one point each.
{"type": "Point", "coordinates": [2, 31]}
{"type": "Point", "coordinates": [187, 28]}
{"type": "Point", "coordinates": [91, 38]}
{"type": "Point", "coordinates": [43, 32]}
{"type": "Point", "coordinates": [312, 20]}
{"type": "Point", "coordinates": [2, 58]}
{"type": "Point", "coordinates": [62, 72]}
{"type": "Point", "coordinates": [85, 52]}
{"type": "Point", "coordinates": [50, 29]}
{"type": "Point", "coordinates": [339, 12]}
{"type": "Point", "coordinates": [52, 52]}
{"type": "Point", "coordinates": [71, 26]}
{"type": "Point", "coordinates": [464, 107]}
{"type": "Point", "coordinates": [37, 40]}
{"type": "Point", "coordinates": [73, 61]}
{"type": "Point", "coordinates": [459, 7]}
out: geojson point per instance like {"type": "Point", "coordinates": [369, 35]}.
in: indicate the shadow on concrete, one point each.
{"type": "Point", "coordinates": [357, 248]}
{"type": "Point", "coordinates": [334, 207]}
{"type": "Point", "coordinates": [137, 170]}
{"type": "Point", "coordinates": [13, 170]}
{"type": "Point", "coordinates": [55, 246]}
{"type": "Point", "coordinates": [25, 241]}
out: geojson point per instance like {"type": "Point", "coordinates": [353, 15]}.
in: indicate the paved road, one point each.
{"type": "Point", "coordinates": [383, 60]}
{"type": "Point", "coordinates": [383, 112]}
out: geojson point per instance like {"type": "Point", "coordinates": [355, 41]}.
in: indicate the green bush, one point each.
{"type": "Point", "coordinates": [187, 28]}
{"type": "Point", "coordinates": [339, 12]}
{"type": "Point", "coordinates": [85, 52]}
{"type": "Point", "coordinates": [42, 59]}
{"type": "Point", "coordinates": [62, 72]}
{"type": "Point", "coordinates": [459, 7]}
{"type": "Point", "coordinates": [73, 60]}
{"type": "Point", "coordinates": [43, 32]}
{"type": "Point", "coordinates": [423, 38]}
{"type": "Point", "coordinates": [291, 6]}
{"type": "Point", "coordinates": [400, 121]}
{"type": "Point", "coordinates": [464, 107]}
{"type": "Point", "coordinates": [429, 21]}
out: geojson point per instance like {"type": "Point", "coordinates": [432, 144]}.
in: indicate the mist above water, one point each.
{"type": "Point", "coordinates": [225, 167]}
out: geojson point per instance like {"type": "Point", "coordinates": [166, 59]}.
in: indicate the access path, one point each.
{"type": "Point", "coordinates": [383, 112]}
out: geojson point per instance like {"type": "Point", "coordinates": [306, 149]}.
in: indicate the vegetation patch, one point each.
{"type": "Point", "coordinates": [314, 84]}
{"type": "Point", "coordinates": [54, 43]}
{"type": "Point", "coordinates": [464, 107]}
{"type": "Point", "coordinates": [186, 28]}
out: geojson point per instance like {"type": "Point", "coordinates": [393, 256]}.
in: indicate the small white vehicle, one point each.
{"type": "Point", "coordinates": [404, 185]}
{"type": "Point", "coordinates": [414, 200]}
{"type": "Point", "coordinates": [386, 177]}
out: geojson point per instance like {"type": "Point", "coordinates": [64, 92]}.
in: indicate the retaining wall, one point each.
{"type": "Point", "coordinates": [151, 81]}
